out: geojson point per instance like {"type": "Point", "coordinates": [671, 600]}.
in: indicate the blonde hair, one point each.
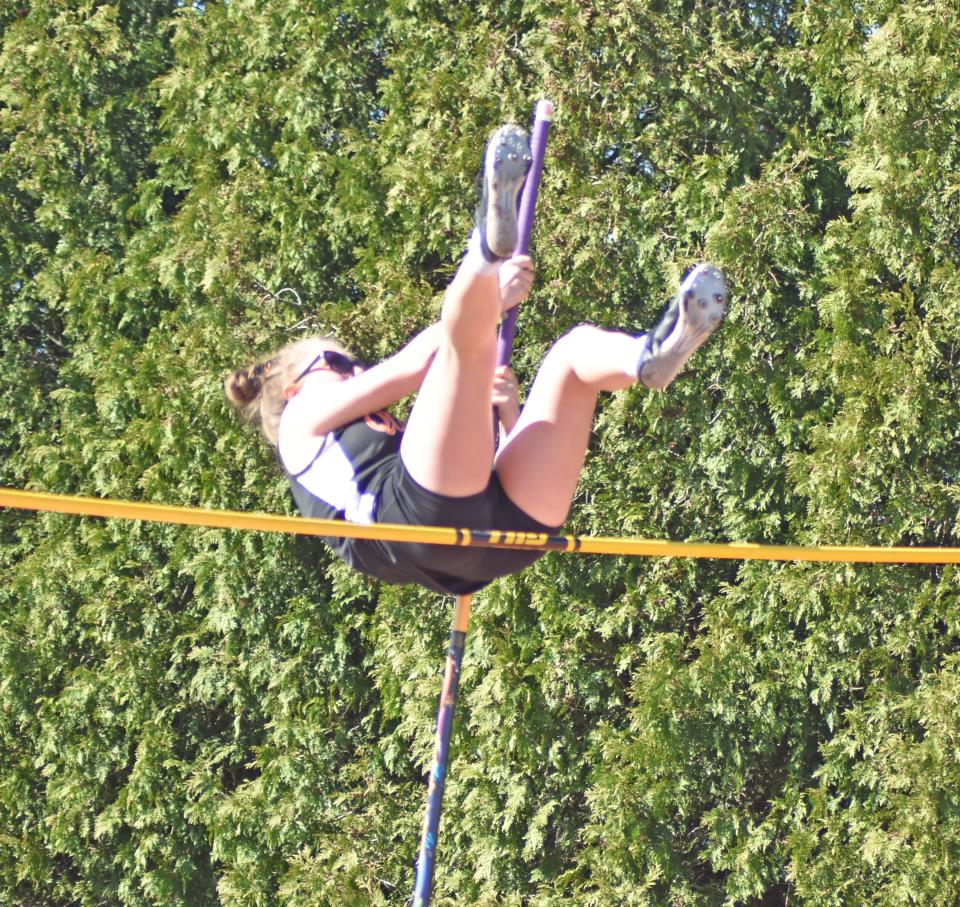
{"type": "Point", "coordinates": [257, 391]}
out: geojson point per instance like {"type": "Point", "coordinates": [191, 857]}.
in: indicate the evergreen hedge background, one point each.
{"type": "Point", "coordinates": [193, 717]}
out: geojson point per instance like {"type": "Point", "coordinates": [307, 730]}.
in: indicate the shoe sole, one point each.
{"type": "Point", "coordinates": [505, 168]}
{"type": "Point", "coordinates": [700, 304]}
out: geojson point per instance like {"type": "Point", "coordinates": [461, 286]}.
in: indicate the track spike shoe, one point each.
{"type": "Point", "coordinates": [505, 166]}
{"type": "Point", "coordinates": [693, 315]}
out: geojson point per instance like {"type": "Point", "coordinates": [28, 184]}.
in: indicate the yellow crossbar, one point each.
{"type": "Point", "coordinates": [436, 535]}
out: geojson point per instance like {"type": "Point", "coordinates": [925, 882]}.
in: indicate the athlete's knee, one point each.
{"type": "Point", "coordinates": [566, 348]}
{"type": "Point", "coordinates": [467, 334]}
{"type": "Point", "coordinates": [582, 334]}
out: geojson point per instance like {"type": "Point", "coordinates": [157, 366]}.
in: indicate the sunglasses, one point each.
{"type": "Point", "coordinates": [333, 362]}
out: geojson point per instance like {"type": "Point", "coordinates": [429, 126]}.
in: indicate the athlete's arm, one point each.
{"type": "Point", "coordinates": [317, 408]}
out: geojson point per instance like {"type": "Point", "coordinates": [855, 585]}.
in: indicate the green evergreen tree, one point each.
{"type": "Point", "coordinates": [193, 717]}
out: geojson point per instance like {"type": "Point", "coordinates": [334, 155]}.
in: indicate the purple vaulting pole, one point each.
{"type": "Point", "coordinates": [528, 201]}
{"type": "Point", "coordinates": [426, 861]}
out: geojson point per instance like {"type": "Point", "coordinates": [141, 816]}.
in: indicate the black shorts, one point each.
{"type": "Point", "coordinates": [448, 569]}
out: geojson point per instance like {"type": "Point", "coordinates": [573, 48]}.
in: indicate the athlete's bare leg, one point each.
{"type": "Point", "coordinates": [541, 461]}
{"type": "Point", "coordinates": [448, 442]}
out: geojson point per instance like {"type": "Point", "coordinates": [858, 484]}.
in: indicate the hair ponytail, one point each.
{"type": "Point", "coordinates": [257, 391]}
{"type": "Point", "coordinates": [246, 384]}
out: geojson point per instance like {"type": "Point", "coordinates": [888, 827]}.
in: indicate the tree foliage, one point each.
{"type": "Point", "coordinates": [192, 717]}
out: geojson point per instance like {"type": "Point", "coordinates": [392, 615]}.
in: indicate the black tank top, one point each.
{"type": "Point", "coordinates": [343, 479]}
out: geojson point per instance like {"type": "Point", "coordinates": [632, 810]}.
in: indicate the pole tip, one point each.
{"type": "Point", "coordinates": [544, 110]}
